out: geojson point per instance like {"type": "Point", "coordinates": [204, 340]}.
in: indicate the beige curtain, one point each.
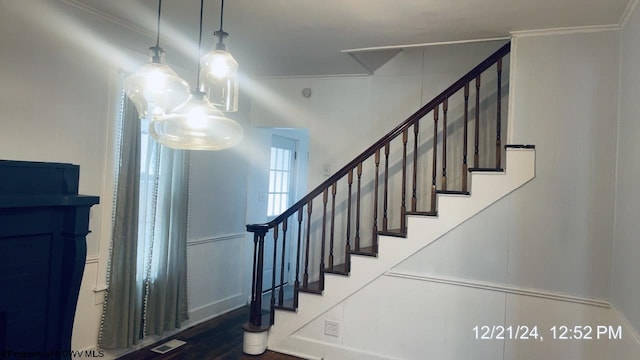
{"type": "Point", "coordinates": [122, 311]}
{"type": "Point", "coordinates": [166, 245]}
{"type": "Point", "coordinates": [146, 277]}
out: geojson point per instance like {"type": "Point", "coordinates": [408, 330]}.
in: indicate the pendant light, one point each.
{"type": "Point", "coordinates": [220, 73]}
{"type": "Point", "coordinates": [196, 124]}
{"type": "Point", "coordinates": [155, 86]}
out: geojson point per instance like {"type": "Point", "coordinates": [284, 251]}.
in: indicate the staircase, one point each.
{"type": "Point", "coordinates": [402, 193]}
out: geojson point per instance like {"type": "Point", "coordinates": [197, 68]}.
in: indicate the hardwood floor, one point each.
{"type": "Point", "coordinates": [219, 338]}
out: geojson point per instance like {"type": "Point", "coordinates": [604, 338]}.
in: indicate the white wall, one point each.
{"type": "Point", "coordinates": [346, 114]}
{"type": "Point", "coordinates": [60, 74]}
{"type": "Point", "coordinates": [625, 290]}
{"type": "Point", "coordinates": [555, 234]}
{"type": "Point", "coordinates": [336, 103]}
{"type": "Point", "coordinates": [59, 104]}
{"type": "Point", "coordinates": [565, 102]}
{"type": "Point", "coordinates": [544, 251]}
{"type": "Point", "coordinates": [404, 316]}
{"type": "Point", "coordinates": [216, 245]}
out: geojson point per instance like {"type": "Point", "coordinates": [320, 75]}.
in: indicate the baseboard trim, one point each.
{"type": "Point", "coordinates": [502, 288]}
{"type": "Point", "coordinates": [216, 308]}
{"type": "Point", "coordinates": [292, 353]}
{"type": "Point", "coordinates": [302, 347]}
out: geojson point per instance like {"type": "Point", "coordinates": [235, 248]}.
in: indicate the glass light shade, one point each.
{"type": "Point", "coordinates": [219, 77]}
{"type": "Point", "coordinates": [155, 86]}
{"type": "Point", "coordinates": [196, 125]}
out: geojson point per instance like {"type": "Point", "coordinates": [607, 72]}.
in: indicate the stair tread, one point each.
{"type": "Point", "coordinates": [365, 251]}
{"type": "Point", "coordinates": [422, 213]}
{"type": "Point", "coordinates": [453, 192]}
{"type": "Point", "coordinates": [285, 308]}
{"type": "Point", "coordinates": [336, 269]}
{"type": "Point", "coordinates": [486, 170]}
{"type": "Point", "coordinates": [519, 146]}
{"type": "Point", "coordinates": [311, 288]}
{"type": "Point", "coordinates": [392, 232]}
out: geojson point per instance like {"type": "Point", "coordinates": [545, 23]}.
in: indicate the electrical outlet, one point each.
{"type": "Point", "coordinates": [331, 328]}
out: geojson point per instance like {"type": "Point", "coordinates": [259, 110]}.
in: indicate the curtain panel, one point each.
{"type": "Point", "coordinates": [122, 309]}
{"type": "Point", "coordinates": [146, 276]}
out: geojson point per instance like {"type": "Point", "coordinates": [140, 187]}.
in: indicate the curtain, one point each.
{"type": "Point", "coordinates": [122, 312]}
{"type": "Point", "coordinates": [146, 277]}
{"type": "Point", "coordinates": [165, 301]}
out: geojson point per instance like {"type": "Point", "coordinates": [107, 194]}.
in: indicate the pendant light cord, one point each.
{"type": "Point", "coordinates": [199, 46]}
{"type": "Point", "coordinates": [156, 57]}
{"type": "Point", "coordinates": [221, 12]}
{"type": "Point", "coordinates": [220, 33]}
{"type": "Point", "coordinates": [159, 13]}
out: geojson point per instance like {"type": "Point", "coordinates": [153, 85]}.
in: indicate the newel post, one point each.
{"type": "Point", "coordinates": [256, 334]}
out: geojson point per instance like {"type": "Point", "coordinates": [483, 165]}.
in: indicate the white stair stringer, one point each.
{"type": "Point", "coordinates": [453, 210]}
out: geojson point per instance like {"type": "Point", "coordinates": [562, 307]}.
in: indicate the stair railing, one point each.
{"type": "Point", "coordinates": [298, 218]}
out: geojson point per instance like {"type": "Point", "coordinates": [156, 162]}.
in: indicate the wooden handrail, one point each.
{"type": "Point", "coordinates": [455, 87]}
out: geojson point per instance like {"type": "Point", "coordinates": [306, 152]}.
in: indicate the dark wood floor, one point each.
{"type": "Point", "coordinates": [219, 338]}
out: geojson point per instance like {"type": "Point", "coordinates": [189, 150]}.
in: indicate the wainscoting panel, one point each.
{"type": "Point", "coordinates": [215, 275]}
{"type": "Point", "coordinates": [570, 330]}
{"type": "Point", "coordinates": [408, 316]}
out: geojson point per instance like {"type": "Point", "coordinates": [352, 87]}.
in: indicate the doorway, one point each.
{"type": "Point", "coordinates": [287, 184]}
{"type": "Point", "coordinates": [282, 175]}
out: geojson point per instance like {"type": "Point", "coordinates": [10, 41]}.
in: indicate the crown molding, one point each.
{"type": "Point", "coordinates": [566, 30]}
{"type": "Point", "coordinates": [627, 13]}
{"type": "Point", "coordinates": [113, 19]}
{"type": "Point", "coordinates": [407, 46]}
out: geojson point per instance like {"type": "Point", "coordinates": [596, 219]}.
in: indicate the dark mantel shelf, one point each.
{"type": "Point", "coordinates": [43, 228]}
{"type": "Point", "coordinates": [47, 200]}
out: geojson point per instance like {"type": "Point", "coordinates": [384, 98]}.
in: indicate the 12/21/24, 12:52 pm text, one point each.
{"type": "Point", "coordinates": [556, 332]}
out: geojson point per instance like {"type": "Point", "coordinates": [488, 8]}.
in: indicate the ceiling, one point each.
{"type": "Point", "coordinates": [307, 37]}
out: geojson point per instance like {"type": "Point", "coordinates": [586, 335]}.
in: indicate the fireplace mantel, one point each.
{"type": "Point", "coordinates": [43, 228]}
